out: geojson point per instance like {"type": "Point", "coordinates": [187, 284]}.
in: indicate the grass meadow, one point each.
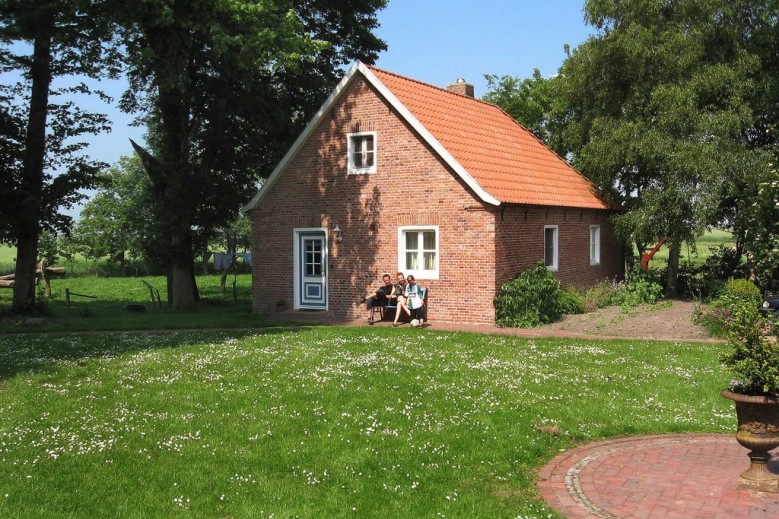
{"type": "Point", "coordinates": [191, 419]}
{"type": "Point", "coordinates": [325, 422]}
{"type": "Point", "coordinates": [7, 258]}
{"type": "Point", "coordinates": [108, 312]}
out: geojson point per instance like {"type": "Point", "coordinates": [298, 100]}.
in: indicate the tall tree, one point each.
{"type": "Point", "coordinates": [118, 220]}
{"type": "Point", "coordinates": [747, 206]}
{"type": "Point", "coordinates": [660, 106]}
{"type": "Point", "coordinates": [11, 145]}
{"type": "Point", "coordinates": [535, 102]}
{"type": "Point", "coordinates": [226, 84]}
{"type": "Point", "coordinates": [757, 225]}
{"type": "Point", "coordinates": [66, 38]}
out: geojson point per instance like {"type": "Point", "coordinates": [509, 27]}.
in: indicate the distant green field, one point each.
{"type": "Point", "coordinates": [7, 259]}
{"type": "Point", "coordinates": [711, 239]}
{"type": "Point", "coordinates": [80, 266]}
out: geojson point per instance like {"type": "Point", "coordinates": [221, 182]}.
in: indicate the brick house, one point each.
{"type": "Point", "coordinates": [396, 175]}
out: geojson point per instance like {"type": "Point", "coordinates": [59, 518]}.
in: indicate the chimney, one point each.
{"type": "Point", "coordinates": [461, 87]}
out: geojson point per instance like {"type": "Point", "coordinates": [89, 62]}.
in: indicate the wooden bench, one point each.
{"type": "Point", "coordinates": [388, 310]}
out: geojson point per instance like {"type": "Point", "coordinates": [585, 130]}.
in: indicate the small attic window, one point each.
{"type": "Point", "coordinates": [362, 152]}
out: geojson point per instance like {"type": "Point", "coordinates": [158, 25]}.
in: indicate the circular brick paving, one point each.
{"type": "Point", "coordinates": [664, 477]}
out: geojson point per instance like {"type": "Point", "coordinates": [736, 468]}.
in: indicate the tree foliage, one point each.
{"type": "Point", "coordinates": [665, 109]}
{"type": "Point", "coordinates": [118, 221]}
{"type": "Point", "coordinates": [536, 102]}
{"type": "Point", "coordinates": [226, 85]}
{"type": "Point", "coordinates": [40, 42]}
{"type": "Point", "coordinates": [11, 145]}
{"type": "Point", "coordinates": [668, 100]}
{"type": "Point", "coordinates": [757, 224]}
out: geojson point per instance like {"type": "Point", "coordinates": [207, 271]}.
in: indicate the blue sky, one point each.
{"type": "Point", "coordinates": [438, 41]}
{"type": "Point", "coordinates": [435, 41]}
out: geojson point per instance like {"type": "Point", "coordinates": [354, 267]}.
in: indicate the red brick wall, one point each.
{"type": "Point", "coordinates": [520, 232]}
{"type": "Point", "coordinates": [410, 187]}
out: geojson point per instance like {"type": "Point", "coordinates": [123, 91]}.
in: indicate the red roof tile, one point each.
{"type": "Point", "coordinates": [503, 157]}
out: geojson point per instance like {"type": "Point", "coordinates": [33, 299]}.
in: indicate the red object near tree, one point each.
{"type": "Point", "coordinates": [648, 256]}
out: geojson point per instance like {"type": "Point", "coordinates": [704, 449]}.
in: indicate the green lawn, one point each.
{"type": "Point", "coordinates": [325, 422]}
{"type": "Point", "coordinates": [108, 312]}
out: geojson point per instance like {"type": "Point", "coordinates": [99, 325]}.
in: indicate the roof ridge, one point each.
{"type": "Point", "coordinates": [492, 161]}
{"type": "Point", "coordinates": [533, 144]}
{"type": "Point", "coordinates": [430, 85]}
{"type": "Point", "coordinates": [593, 189]}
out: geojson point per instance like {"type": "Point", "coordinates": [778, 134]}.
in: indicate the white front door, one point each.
{"type": "Point", "coordinates": [311, 269]}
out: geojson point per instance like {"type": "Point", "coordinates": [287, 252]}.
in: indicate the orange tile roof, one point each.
{"type": "Point", "coordinates": [503, 157]}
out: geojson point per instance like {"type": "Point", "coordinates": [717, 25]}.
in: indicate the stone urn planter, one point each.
{"type": "Point", "coordinates": [758, 431]}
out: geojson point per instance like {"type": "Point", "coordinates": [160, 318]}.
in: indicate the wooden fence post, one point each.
{"type": "Point", "coordinates": [152, 290]}
{"type": "Point", "coordinates": [46, 280]}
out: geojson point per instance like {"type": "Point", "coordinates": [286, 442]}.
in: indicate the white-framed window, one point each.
{"type": "Point", "coordinates": [362, 152]}
{"type": "Point", "coordinates": [550, 246]}
{"type": "Point", "coordinates": [418, 251]}
{"type": "Point", "coordinates": [594, 244]}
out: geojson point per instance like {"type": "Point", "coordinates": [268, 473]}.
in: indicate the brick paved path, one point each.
{"type": "Point", "coordinates": [663, 477]}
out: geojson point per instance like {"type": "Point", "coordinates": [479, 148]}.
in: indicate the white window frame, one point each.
{"type": "Point", "coordinates": [555, 249]}
{"type": "Point", "coordinates": [594, 244]}
{"type": "Point", "coordinates": [352, 139]}
{"type": "Point", "coordinates": [418, 273]}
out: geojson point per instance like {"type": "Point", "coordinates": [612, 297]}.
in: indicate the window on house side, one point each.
{"type": "Point", "coordinates": [362, 152]}
{"type": "Point", "coordinates": [595, 245]}
{"type": "Point", "coordinates": [550, 247]}
{"type": "Point", "coordinates": [418, 251]}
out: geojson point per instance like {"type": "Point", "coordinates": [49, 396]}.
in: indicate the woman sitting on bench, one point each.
{"type": "Point", "coordinates": [413, 299]}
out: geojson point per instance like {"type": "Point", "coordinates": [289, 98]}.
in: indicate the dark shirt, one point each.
{"type": "Point", "coordinates": [400, 289]}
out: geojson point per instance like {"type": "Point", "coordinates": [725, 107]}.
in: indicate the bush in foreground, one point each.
{"type": "Point", "coordinates": [640, 289]}
{"type": "Point", "coordinates": [738, 296]}
{"type": "Point", "coordinates": [602, 293]}
{"type": "Point", "coordinates": [534, 298]}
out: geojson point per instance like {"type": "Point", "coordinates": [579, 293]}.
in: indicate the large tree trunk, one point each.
{"type": "Point", "coordinates": [28, 225]}
{"type": "Point", "coordinates": [672, 275]}
{"type": "Point", "coordinates": [183, 293]}
{"type": "Point", "coordinates": [173, 183]}
{"type": "Point", "coordinates": [171, 207]}
{"type": "Point", "coordinates": [173, 210]}
{"type": "Point", "coordinates": [24, 275]}
{"type": "Point", "coordinates": [181, 288]}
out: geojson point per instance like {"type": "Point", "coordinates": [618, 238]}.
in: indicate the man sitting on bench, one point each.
{"type": "Point", "coordinates": [413, 299]}
{"type": "Point", "coordinates": [380, 297]}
